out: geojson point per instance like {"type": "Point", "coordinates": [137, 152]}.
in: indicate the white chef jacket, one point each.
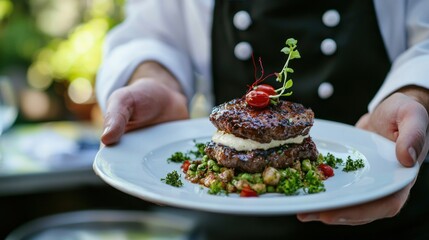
{"type": "Point", "coordinates": [177, 34]}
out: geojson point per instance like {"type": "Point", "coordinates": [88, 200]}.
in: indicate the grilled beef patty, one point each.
{"type": "Point", "coordinates": [255, 161]}
{"type": "Point", "coordinates": [275, 122]}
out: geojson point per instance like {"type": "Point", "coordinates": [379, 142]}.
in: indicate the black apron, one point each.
{"type": "Point", "coordinates": [356, 70]}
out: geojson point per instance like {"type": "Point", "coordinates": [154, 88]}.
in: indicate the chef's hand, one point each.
{"type": "Point", "coordinates": [152, 96]}
{"type": "Point", "coordinates": [402, 118]}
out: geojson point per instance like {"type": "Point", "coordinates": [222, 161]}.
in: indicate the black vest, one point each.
{"type": "Point", "coordinates": [356, 69]}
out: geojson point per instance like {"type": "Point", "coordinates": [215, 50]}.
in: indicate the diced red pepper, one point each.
{"type": "Point", "coordinates": [248, 192]}
{"type": "Point", "coordinates": [185, 165]}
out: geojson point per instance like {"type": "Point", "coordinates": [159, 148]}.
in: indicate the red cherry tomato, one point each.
{"type": "Point", "coordinates": [266, 88]}
{"type": "Point", "coordinates": [257, 99]}
{"type": "Point", "coordinates": [185, 165]}
{"type": "Point", "coordinates": [248, 192]}
{"type": "Point", "coordinates": [326, 170]}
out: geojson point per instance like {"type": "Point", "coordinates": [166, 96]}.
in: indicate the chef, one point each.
{"type": "Point", "coordinates": [362, 61]}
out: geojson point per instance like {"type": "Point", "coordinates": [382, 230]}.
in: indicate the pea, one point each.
{"type": "Point", "coordinates": [191, 173]}
{"type": "Point", "coordinates": [193, 167]}
{"type": "Point", "coordinates": [271, 189]}
{"type": "Point", "coordinates": [202, 166]}
{"type": "Point", "coordinates": [306, 165]}
{"type": "Point", "coordinates": [216, 168]}
{"type": "Point", "coordinates": [211, 163]}
{"type": "Point", "coordinates": [311, 174]}
{"type": "Point", "coordinates": [246, 176]}
{"type": "Point", "coordinates": [283, 174]}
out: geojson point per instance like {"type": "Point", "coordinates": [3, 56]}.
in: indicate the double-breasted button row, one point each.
{"type": "Point", "coordinates": [331, 18]}
{"type": "Point", "coordinates": [242, 21]}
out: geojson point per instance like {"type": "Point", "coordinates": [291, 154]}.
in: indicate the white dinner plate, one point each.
{"type": "Point", "coordinates": [137, 164]}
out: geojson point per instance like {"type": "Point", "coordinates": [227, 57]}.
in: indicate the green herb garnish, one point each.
{"type": "Point", "coordinates": [291, 183]}
{"type": "Point", "coordinates": [332, 161]}
{"type": "Point", "coordinates": [178, 157]}
{"type": "Point", "coordinates": [292, 52]}
{"type": "Point", "coordinates": [313, 182]}
{"type": "Point", "coordinates": [217, 188]}
{"type": "Point", "coordinates": [353, 165]}
{"type": "Point", "coordinates": [173, 179]}
{"type": "Point", "coordinates": [199, 152]}
{"type": "Point", "coordinates": [261, 95]}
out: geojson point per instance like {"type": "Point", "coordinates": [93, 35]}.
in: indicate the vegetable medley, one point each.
{"type": "Point", "coordinates": [304, 176]}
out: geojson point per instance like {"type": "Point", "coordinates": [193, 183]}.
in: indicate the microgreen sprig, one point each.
{"type": "Point", "coordinates": [259, 95]}
{"type": "Point", "coordinates": [292, 52]}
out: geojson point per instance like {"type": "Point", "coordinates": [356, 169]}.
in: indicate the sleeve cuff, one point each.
{"type": "Point", "coordinates": [413, 72]}
{"type": "Point", "coordinates": [119, 65]}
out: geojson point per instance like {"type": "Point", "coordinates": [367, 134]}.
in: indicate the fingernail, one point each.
{"type": "Point", "coordinates": [106, 130]}
{"type": "Point", "coordinates": [107, 125]}
{"type": "Point", "coordinates": [412, 153]}
{"type": "Point", "coordinates": [310, 217]}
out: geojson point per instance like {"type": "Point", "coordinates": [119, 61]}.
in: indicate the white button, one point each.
{"type": "Point", "coordinates": [328, 46]}
{"type": "Point", "coordinates": [331, 18]}
{"type": "Point", "coordinates": [325, 90]}
{"type": "Point", "coordinates": [243, 50]}
{"type": "Point", "coordinates": [242, 20]}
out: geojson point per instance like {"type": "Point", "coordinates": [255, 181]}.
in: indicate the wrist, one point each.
{"type": "Point", "coordinates": [420, 94]}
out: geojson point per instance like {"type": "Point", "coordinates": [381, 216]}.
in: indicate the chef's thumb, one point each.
{"type": "Point", "coordinates": [116, 118]}
{"type": "Point", "coordinates": [412, 141]}
{"type": "Point", "coordinates": [114, 128]}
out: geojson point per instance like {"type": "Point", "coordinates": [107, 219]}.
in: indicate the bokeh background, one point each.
{"type": "Point", "coordinates": [51, 50]}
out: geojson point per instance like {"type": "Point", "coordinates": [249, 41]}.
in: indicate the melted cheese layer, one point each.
{"type": "Point", "coordinates": [241, 144]}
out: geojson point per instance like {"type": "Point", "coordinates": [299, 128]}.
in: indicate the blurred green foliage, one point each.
{"type": "Point", "coordinates": [19, 36]}
{"type": "Point", "coordinates": [55, 40]}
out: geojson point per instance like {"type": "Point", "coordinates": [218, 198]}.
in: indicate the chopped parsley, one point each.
{"type": "Point", "coordinates": [217, 188]}
{"type": "Point", "coordinates": [353, 165]}
{"type": "Point", "coordinates": [173, 179]}
{"type": "Point", "coordinates": [291, 183]}
{"type": "Point", "coordinates": [349, 165]}
{"type": "Point", "coordinates": [178, 157]}
{"type": "Point", "coordinates": [332, 161]}
{"type": "Point", "coordinates": [199, 152]}
{"type": "Point", "coordinates": [313, 182]}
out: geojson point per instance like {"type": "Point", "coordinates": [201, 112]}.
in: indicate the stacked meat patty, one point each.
{"type": "Point", "coordinates": [250, 139]}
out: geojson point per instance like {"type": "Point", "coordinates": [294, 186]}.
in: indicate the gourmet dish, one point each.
{"type": "Point", "coordinates": [262, 144]}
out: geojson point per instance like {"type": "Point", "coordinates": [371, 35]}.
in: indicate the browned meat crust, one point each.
{"type": "Point", "coordinates": [275, 122]}
{"type": "Point", "coordinates": [256, 160]}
